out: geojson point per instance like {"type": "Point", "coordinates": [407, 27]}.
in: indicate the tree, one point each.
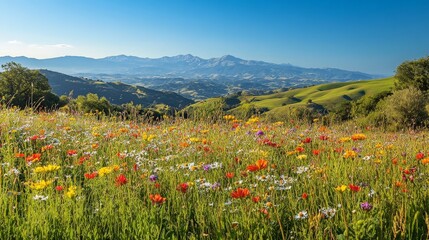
{"type": "Point", "coordinates": [405, 108]}
{"type": "Point", "coordinates": [22, 87]}
{"type": "Point", "coordinates": [413, 74]}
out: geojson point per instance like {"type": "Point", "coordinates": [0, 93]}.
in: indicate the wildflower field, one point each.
{"type": "Point", "coordinates": [82, 177]}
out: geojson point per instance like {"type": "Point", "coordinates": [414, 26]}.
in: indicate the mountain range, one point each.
{"type": "Point", "coordinates": [191, 76]}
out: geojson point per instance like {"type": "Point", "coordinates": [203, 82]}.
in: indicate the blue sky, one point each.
{"type": "Point", "coordinates": [372, 36]}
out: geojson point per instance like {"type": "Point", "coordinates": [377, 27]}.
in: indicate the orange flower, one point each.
{"type": "Point", "coordinates": [229, 175]}
{"type": "Point", "coordinates": [260, 164]}
{"type": "Point", "coordinates": [240, 193]}
{"type": "Point", "coordinates": [19, 155]}
{"type": "Point", "coordinates": [33, 158]}
{"type": "Point", "coordinates": [256, 199]}
{"type": "Point", "coordinates": [157, 199]}
{"type": "Point", "coordinates": [71, 152]}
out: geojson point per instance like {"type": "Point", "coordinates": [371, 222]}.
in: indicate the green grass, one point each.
{"type": "Point", "coordinates": [388, 170]}
{"type": "Point", "coordinates": [327, 95]}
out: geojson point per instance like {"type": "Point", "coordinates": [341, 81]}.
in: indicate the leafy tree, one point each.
{"type": "Point", "coordinates": [22, 87]}
{"type": "Point", "coordinates": [413, 74]}
{"type": "Point", "coordinates": [405, 108]}
{"type": "Point", "coordinates": [92, 103]}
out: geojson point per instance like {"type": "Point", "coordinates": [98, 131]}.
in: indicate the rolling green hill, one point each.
{"type": "Point", "coordinates": [115, 92]}
{"type": "Point", "coordinates": [327, 96]}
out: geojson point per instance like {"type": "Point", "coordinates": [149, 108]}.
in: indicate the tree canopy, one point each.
{"type": "Point", "coordinates": [413, 74]}
{"type": "Point", "coordinates": [22, 87]}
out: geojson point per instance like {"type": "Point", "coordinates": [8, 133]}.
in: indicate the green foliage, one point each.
{"type": "Point", "coordinates": [413, 74]}
{"type": "Point", "coordinates": [92, 103]}
{"type": "Point", "coordinates": [22, 87]}
{"type": "Point", "coordinates": [405, 108]}
{"type": "Point", "coordinates": [364, 106]}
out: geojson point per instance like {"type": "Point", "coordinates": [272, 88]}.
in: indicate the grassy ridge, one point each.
{"type": "Point", "coordinates": [326, 95]}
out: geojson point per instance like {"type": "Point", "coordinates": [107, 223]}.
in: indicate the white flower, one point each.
{"type": "Point", "coordinates": [301, 215]}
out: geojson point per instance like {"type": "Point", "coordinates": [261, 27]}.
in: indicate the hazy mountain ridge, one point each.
{"type": "Point", "coordinates": [115, 92]}
{"type": "Point", "coordinates": [186, 66]}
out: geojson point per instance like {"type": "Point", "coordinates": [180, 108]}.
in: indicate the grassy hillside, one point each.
{"type": "Point", "coordinates": [327, 95]}
{"type": "Point", "coordinates": [115, 92]}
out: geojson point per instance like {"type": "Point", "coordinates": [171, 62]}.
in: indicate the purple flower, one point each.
{"type": "Point", "coordinates": [259, 133]}
{"type": "Point", "coordinates": [366, 206]}
{"type": "Point", "coordinates": [207, 167]}
{"type": "Point", "coordinates": [153, 178]}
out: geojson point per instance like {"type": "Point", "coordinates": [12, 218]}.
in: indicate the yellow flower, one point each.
{"type": "Point", "coordinates": [48, 168]}
{"type": "Point", "coordinates": [345, 139]}
{"type": "Point", "coordinates": [301, 157]}
{"type": "Point", "coordinates": [194, 139]}
{"type": "Point", "coordinates": [252, 120]}
{"type": "Point", "coordinates": [71, 192]}
{"type": "Point", "coordinates": [228, 117]}
{"type": "Point", "coordinates": [341, 188]}
{"type": "Point", "coordinates": [358, 136]}
{"type": "Point", "coordinates": [349, 154]}
{"type": "Point", "coordinates": [105, 170]}
{"type": "Point", "coordinates": [42, 184]}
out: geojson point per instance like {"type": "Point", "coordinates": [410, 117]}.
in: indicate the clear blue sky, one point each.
{"type": "Point", "coordinates": [366, 35]}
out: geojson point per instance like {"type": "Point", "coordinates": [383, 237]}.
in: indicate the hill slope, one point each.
{"type": "Point", "coordinates": [116, 93]}
{"type": "Point", "coordinates": [327, 96]}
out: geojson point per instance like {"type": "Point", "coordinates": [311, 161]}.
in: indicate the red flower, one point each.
{"type": "Point", "coordinates": [19, 155]}
{"type": "Point", "coordinates": [307, 140]}
{"type": "Point", "coordinates": [256, 199]}
{"type": "Point", "coordinates": [90, 175]}
{"type": "Point", "coordinates": [157, 185]}
{"type": "Point", "coordinates": [157, 199]}
{"type": "Point", "coordinates": [183, 187]}
{"type": "Point", "coordinates": [420, 156]}
{"type": "Point", "coordinates": [229, 175]}
{"type": "Point", "coordinates": [323, 137]}
{"type": "Point", "coordinates": [59, 188]}
{"type": "Point", "coordinates": [300, 149]}
{"type": "Point", "coordinates": [33, 158]}
{"type": "Point", "coordinates": [304, 196]}
{"type": "Point", "coordinates": [240, 193]}
{"type": "Point", "coordinates": [354, 188]}
{"type": "Point", "coordinates": [316, 152]}
{"type": "Point", "coordinates": [121, 180]}
{"type": "Point", "coordinates": [71, 152]}
{"type": "Point", "coordinates": [260, 164]}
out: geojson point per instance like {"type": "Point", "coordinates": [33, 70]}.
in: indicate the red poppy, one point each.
{"type": "Point", "coordinates": [299, 149]}
{"type": "Point", "coordinates": [90, 175]}
{"type": "Point", "coordinates": [33, 158]}
{"type": "Point", "coordinates": [229, 175]}
{"type": "Point", "coordinates": [183, 187]}
{"type": "Point", "coordinates": [316, 152]}
{"type": "Point", "coordinates": [59, 188]}
{"type": "Point", "coordinates": [256, 199]}
{"type": "Point", "coordinates": [354, 188]}
{"type": "Point", "coordinates": [323, 137]}
{"type": "Point", "coordinates": [121, 180]}
{"type": "Point", "coordinates": [307, 140]}
{"type": "Point", "coordinates": [420, 156]}
{"type": "Point", "coordinates": [71, 152]}
{"type": "Point", "coordinates": [157, 199]}
{"type": "Point", "coordinates": [304, 196]}
{"type": "Point", "coordinates": [240, 193]}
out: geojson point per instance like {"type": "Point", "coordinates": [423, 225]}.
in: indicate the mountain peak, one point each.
{"type": "Point", "coordinates": [230, 58]}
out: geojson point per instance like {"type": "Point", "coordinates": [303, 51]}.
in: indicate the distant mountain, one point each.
{"type": "Point", "coordinates": [115, 92]}
{"type": "Point", "coordinates": [192, 77]}
{"type": "Point", "coordinates": [188, 67]}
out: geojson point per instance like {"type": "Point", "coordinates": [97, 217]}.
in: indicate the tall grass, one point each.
{"type": "Point", "coordinates": [297, 194]}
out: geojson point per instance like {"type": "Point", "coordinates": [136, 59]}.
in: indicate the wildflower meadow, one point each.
{"type": "Point", "coordinates": [66, 176]}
